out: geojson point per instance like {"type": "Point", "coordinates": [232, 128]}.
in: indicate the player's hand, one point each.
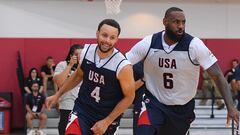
{"type": "Point", "coordinates": [100, 127]}
{"type": "Point", "coordinates": [232, 114]}
{"type": "Point", "coordinates": [51, 101]}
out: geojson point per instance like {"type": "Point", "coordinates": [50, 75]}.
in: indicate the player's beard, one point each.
{"type": "Point", "coordinates": [172, 35]}
{"type": "Point", "coordinates": [104, 51]}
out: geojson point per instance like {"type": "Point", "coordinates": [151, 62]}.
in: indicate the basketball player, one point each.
{"type": "Point", "coordinates": [171, 71]}
{"type": "Point", "coordinates": [107, 88]}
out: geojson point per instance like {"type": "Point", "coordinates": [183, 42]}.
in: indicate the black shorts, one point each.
{"type": "Point", "coordinates": [80, 123]}
{"type": "Point", "coordinates": [159, 119]}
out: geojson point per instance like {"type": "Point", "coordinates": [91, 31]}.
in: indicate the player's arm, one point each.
{"type": "Point", "coordinates": [126, 80]}
{"type": "Point", "coordinates": [217, 75]}
{"type": "Point", "coordinates": [139, 51]}
{"type": "Point", "coordinates": [73, 81]}
{"type": "Point", "coordinates": [125, 77]}
{"type": "Point", "coordinates": [200, 53]}
{"type": "Point", "coordinates": [138, 84]}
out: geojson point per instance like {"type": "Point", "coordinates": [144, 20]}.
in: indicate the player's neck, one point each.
{"type": "Point", "coordinates": [103, 55]}
{"type": "Point", "coordinates": [168, 41]}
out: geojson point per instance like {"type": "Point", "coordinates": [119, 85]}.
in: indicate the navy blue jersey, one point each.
{"type": "Point", "coordinates": [138, 74]}
{"type": "Point", "coordinates": [100, 91]}
{"type": "Point", "coordinates": [138, 71]}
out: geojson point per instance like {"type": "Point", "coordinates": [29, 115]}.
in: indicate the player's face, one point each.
{"type": "Point", "coordinates": [175, 25]}
{"type": "Point", "coordinates": [107, 37]}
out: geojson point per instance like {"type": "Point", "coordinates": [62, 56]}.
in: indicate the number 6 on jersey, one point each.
{"type": "Point", "coordinates": [96, 94]}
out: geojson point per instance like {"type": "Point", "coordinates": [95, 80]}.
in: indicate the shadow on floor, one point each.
{"type": "Point", "coordinates": [17, 132]}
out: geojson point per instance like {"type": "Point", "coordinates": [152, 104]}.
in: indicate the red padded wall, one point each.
{"type": "Point", "coordinates": [37, 50]}
{"type": "Point", "coordinates": [8, 80]}
{"type": "Point", "coordinates": [225, 50]}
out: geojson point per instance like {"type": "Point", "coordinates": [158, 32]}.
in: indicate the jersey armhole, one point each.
{"type": "Point", "coordinates": [81, 59]}
{"type": "Point", "coordinates": [117, 68]}
{"type": "Point", "coordinates": [154, 37]}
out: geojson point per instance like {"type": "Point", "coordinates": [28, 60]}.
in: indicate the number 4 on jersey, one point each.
{"type": "Point", "coordinates": [96, 94]}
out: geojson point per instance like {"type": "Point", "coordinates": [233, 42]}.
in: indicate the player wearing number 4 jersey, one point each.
{"type": "Point", "coordinates": [107, 85]}
{"type": "Point", "coordinates": [171, 71]}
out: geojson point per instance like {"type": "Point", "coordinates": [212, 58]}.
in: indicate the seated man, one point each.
{"type": "Point", "coordinates": [47, 72]}
{"type": "Point", "coordinates": [35, 105]}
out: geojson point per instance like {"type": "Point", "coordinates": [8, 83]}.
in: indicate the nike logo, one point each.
{"type": "Point", "coordinates": [88, 62]}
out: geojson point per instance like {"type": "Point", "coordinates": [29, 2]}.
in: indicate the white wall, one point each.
{"type": "Point", "coordinates": [79, 18]}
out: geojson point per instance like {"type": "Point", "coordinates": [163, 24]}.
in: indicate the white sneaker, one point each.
{"type": "Point", "coordinates": [31, 132]}
{"type": "Point", "coordinates": [41, 132]}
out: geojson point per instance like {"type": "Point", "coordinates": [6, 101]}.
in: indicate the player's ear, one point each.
{"type": "Point", "coordinates": [97, 33]}
{"type": "Point", "coordinates": [165, 21]}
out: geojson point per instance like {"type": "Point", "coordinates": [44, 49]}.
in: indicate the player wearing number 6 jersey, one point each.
{"type": "Point", "coordinates": [107, 85]}
{"type": "Point", "coordinates": [171, 71]}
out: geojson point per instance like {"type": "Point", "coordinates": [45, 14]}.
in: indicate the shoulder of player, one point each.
{"type": "Point", "coordinates": [126, 69]}
{"type": "Point", "coordinates": [196, 43]}
{"type": "Point", "coordinates": [147, 39]}
{"type": "Point", "coordinates": [87, 48]}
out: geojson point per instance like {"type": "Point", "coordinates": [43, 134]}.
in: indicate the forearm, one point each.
{"type": "Point", "coordinates": [224, 90]}
{"type": "Point", "coordinates": [120, 108]}
{"type": "Point", "coordinates": [216, 74]}
{"type": "Point", "coordinates": [61, 78]}
{"type": "Point", "coordinates": [69, 84]}
{"type": "Point", "coordinates": [27, 90]}
{"type": "Point", "coordinates": [138, 84]}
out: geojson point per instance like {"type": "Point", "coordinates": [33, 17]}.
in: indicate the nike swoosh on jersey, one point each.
{"type": "Point", "coordinates": [88, 62]}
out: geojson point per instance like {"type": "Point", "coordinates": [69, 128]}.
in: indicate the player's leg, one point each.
{"type": "Point", "coordinates": [149, 119]}
{"type": "Point", "coordinates": [74, 126]}
{"type": "Point", "coordinates": [136, 113]}
{"type": "Point", "coordinates": [179, 119]}
{"type": "Point", "coordinates": [137, 107]}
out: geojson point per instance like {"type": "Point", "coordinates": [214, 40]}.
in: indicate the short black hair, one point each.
{"type": "Point", "coordinates": [172, 9]}
{"type": "Point", "coordinates": [49, 57]}
{"type": "Point", "coordinates": [110, 22]}
{"type": "Point", "coordinates": [35, 83]}
{"type": "Point", "coordinates": [235, 60]}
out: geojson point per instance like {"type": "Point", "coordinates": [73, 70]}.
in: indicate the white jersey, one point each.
{"type": "Point", "coordinates": [66, 101]}
{"type": "Point", "coordinates": [171, 73]}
